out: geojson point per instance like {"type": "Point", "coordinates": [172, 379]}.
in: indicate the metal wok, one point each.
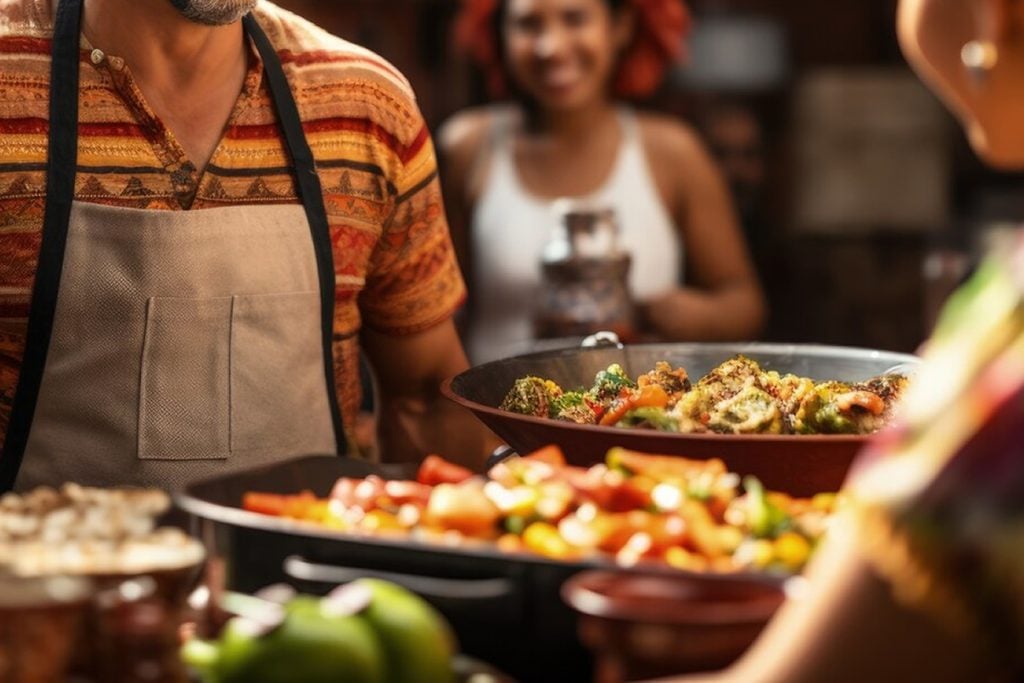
{"type": "Point", "coordinates": [797, 464]}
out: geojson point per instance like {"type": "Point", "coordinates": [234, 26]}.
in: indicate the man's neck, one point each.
{"type": "Point", "coordinates": [190, 74]}
{"type": "Point", "coordinates": [165, 51]}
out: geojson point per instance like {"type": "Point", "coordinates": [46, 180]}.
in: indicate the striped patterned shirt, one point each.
{"type": "Point", "coordinates": [394, 264]}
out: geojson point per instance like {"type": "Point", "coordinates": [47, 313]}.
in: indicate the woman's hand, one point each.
{"type": "Point", "coordinates": [733, 311]}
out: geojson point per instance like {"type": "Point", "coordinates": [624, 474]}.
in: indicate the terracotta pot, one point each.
{"type": "Point", "coordinates": [39, 622]}
{"type": "Point", "coordinates": [642, 626]}
{"type": "Point", "coordinates": [131, 631]}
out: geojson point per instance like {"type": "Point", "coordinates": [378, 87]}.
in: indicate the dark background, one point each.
{"type": "Point", "coordinates": [874, 285]}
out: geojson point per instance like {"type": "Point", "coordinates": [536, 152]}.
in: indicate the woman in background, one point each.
{"type": "Point", "coordinates": [566, 133]}
{"type": "Point", "coordinates": [922, 579]}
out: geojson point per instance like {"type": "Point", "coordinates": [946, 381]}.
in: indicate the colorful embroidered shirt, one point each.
{"type": "Point", "coordinates": [394, 264]}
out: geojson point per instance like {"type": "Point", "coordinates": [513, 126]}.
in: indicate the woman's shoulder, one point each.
{"type": "Point", "coordinates": [675, 154]}
{"type": "Point", "coordinates": [462, 143]}
{"type": "Point", "coordinates": [668, 136]}
{"type": "Point", "coordinates": [466, 130]}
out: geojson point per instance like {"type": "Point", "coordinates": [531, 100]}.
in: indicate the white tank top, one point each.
{"type": "Point", "coordinates": [510, 228]}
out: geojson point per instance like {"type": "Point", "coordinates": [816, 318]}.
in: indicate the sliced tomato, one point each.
{"type": "Point", "coordinates": [552, 455]}
{"type": "Point", "coordinates": [436, 470]}
{"type": "Point", "coordinates": [661, 466]}
{"type": "Point", "coordinates": [632, 493]}
{"type": "Point", "coordinates": [264, 503]}
{"type": "Point", "coordinates": [402, 492]}
{"type": "Point", "coordinates": [597, 407]}
{"type": "Point", "coordinates": [301, 506]}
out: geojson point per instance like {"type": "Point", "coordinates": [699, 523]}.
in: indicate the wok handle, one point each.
{"type": "Point", "coordinates": [602, 338]}
{"type": "Point", "coordinates": [499, 455]}
{"type": "Point", "coordinates": [301, 569]}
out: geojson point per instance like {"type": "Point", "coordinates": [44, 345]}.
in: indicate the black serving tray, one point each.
{"type": "Point", "coordinates": [505, 608]}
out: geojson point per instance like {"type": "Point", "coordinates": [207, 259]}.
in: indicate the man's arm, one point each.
{"type": "Point", "coordinates": [413, 419]}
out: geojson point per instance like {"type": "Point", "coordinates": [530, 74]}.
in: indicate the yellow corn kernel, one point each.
{"type": "Point", "coordinates": [824, 501]}
{"type": "Point", "coordinates": [792, 550]}
{"type": "Point", "coordinates": [510, 543]}
{"type": "Point", "coordinates": [681, 558]}
{"type": "Point", "coordinates": [757, 553]}
{"type": "Point", "coordinates": [380, 520]}
{"type": "Point", "coordinates": [544, 539]}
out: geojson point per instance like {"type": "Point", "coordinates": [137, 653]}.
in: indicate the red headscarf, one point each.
{"type": "Point", "coordinates": [661, 26]}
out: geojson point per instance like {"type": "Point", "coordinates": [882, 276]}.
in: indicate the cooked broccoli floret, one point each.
{"type": "Point", "coordinates": [840, 408]}
{"type": "Point", "coordinates": [721, 384]}
{"type": "Point", "coordinates": [608, 383]}
{"type": "Point", "coordinates": [751, 411]}
{"type": "Point", "coordinates": [572, 407]}
{"type": "Point", "coordinates": [819, 413]}
{"type": "Point", "coordinates": [888, 387]}
{"type": "Point", "coordinates": [531, 396]}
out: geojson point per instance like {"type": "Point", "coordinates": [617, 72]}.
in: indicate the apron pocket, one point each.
{"type": "Point", "coordinates": [184, 383]}
{"type": "Point", "coordinates": [278, 392]}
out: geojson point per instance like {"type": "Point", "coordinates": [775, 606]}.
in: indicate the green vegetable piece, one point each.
{"type": "Point", "coordinates": [516, 524]}
{"type": "Point", "coordinates": [608, 383]}
{"type": "Point", "coordinates": [651, 418]}
{"type": "Point", "coordinates": [417, 641]}
{"type": "Point", "coordinates": [202, 656]}
{"type": "Point", "coordinates": [766, 519]}
{"type": "Point", "coordinates": [531, 396]}
{"type": "Point", "coordinates": [308, 646]}
{"type": "Point", "coordinates": [572, 407]}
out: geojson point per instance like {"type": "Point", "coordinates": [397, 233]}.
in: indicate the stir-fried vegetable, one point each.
{"type": "Point", "coordinates": [737, 397]}
{"type": "Point", "coordinates": [573, 406]}
{"type": "Point", "coordinates": [609, 383]}
{"type": "Point", "coordinates": [650, 418]}
{"type": "Point", "coordinates": [531, 396]}
{"type": "Point", "coordinates": [633, 508]}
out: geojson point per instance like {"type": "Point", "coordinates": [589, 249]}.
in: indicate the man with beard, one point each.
{"type": "Point", "coordinates": [207, 207]}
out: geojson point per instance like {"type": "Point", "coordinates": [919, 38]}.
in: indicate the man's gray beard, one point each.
{"type": "Point", "coordinates": [214, 12]}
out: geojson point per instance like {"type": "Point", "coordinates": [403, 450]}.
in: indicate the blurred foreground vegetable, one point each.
{"type": "Point", "coordinates": [369, 631]}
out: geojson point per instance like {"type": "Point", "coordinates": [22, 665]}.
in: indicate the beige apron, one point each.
{"type": "Point", "coordinates": [169, 346]}
{"type": "Point", "coordinates": [185, 344]}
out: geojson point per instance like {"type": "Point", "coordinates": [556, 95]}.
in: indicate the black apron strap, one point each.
{"type": "Point", "coordinates": [61, 162]}
{"type": "Point", "coordinates": [311, 193]}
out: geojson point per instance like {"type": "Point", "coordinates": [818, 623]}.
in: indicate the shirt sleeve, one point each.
{"type": "Point", "coordinates": [414, 280]}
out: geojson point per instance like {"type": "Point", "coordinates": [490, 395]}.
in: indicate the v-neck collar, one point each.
{"type": "Point", "coordinates": [185, 177]}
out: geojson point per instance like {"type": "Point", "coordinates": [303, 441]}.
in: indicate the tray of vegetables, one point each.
{"type": "Point", "coordinates": [491, 552]}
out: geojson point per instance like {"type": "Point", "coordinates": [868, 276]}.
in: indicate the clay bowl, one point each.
{"type": "Point", "coordinates": [39, 622]}
{"type": "Point", "coordinates": [133, 622]}
{"type": "Point", "coordinates": [797, 464]}
{"type": "Point", "coordinates": [641, 626]}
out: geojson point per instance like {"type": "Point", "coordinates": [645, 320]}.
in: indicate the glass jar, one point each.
{"type": "Point", "coordinates": [584, 276]}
